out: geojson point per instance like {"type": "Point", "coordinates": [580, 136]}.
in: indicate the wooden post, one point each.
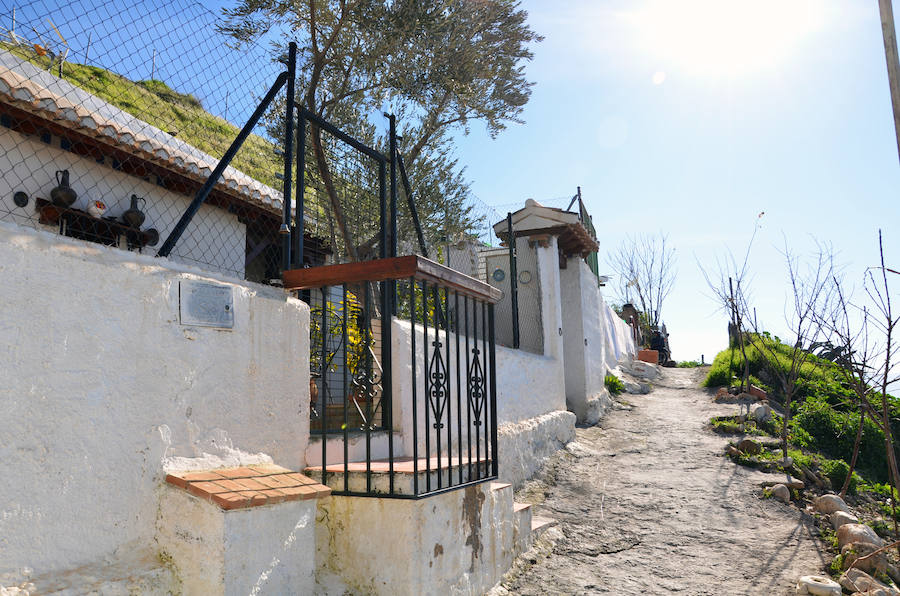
{"type": "Point", "coordinates": [893, 63]}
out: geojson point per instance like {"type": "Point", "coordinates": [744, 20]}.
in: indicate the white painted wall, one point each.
{"type": "Point", "coordinates": [551, 308]}
{"type": "Point", "coordinates": [528, 385]}
{"type": "Point", "coordinates": [101, 383]}
{"type": "Point", "coordinates": [258, 550]}
{"type": "Point", "coordinates": [585, 341]}
{"type": "Point", "coordinates": [215, 240]}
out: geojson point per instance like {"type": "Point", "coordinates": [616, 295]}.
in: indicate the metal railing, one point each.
{"type": "Point", "coordinates": [420, 434]}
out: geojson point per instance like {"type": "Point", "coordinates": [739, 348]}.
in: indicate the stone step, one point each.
{"type": "Point", "coordinates": [522, 536]}
{"type": "Point", "coordinates": [539, 525]}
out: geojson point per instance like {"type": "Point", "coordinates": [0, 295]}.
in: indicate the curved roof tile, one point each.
{"type": "Point", "coordinates": [40, 93]}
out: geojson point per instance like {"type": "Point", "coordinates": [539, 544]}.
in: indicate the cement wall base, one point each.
{"type": "Point", "coordinates": [258, 550]}
{"type": "Point", "coordinates": [595, 407]}
{"type": "Point", "coordinates": [459, 542]}
{"type": "Point", "coordinates": [524, 445]}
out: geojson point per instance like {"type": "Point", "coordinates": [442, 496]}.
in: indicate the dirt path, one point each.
{"type": "Point", "coordinates": [647, 504]}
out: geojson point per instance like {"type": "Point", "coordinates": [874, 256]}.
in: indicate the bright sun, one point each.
{"type": "Point", "coordinates": [726, 37]}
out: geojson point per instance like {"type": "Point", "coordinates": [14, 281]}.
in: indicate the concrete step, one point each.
{"type": "Point", "coordinates": [431, 474]}
{"type": "Point", "coordinates": [539, 525]}
{"type": "Point", "coordinates": [522, 536]}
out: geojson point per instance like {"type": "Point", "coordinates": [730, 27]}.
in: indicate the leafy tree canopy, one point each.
{"type": "Point", "coordinates": [439, 65]}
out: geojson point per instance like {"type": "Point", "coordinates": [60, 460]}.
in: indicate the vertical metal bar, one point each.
{"type": "Point", "coordinates": [345, 366]}
{"type": "Point", "coordinates": [476, 399]}
{"type": "Point", "coordinates": [412, 356]}
{"type": "Point", "coordinates": [458, 392]}
{"type": "Point", "coordinates": [388, 291]}
{"type": "Point", "coordinates": [299, 230]}
{"type": "Point", "coordinates": [437, 389]}
{"type": "Point", "coordinates": [427, 402]}
{"type": "Point", "coordinates": [382, 197]}
{"type": "Point", "coordinates": [484, 394]}
{"type": "Point", "coordinates": [493, 385]}
{"type": "Point", "coordinates": [393, 148]}
{"type": "Point", "coordinates": [513, 280]}
{"type": "Point", "coordinates": [367, 371]}
{"type": "Point", "coordinates": [322, 370]}
{"type": "Point", "coordinates": [448, 386]}
{"type": "Point", "coordinates": [468, 386]}
{"type": "Point", "coordinates": [288, 157]}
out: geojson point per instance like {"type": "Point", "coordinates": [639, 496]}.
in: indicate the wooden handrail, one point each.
{"type": "Point", "coordinates": [413, 266]}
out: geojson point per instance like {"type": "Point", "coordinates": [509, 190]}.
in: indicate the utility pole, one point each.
{"type": "Point", "coordinates": [153, 66]}
{"type": "Point", "coordinates": [893, 63]}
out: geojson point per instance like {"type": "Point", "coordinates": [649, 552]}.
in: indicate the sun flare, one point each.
{"type": "Point", "coordinates": [726, 37]}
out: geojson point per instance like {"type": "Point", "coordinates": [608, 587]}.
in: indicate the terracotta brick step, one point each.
{"type": "Point", "coordinates": [250, 486]}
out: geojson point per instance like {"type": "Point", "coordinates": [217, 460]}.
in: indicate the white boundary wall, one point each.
{"type": "Point", "coordinates": [101, 384]}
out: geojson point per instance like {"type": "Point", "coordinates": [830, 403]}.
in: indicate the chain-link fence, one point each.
{"type": "Point", "coordinates": [113, 116]}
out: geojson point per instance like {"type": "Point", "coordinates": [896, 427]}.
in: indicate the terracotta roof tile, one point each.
{"type": "Point", "coordinates": [40, 93]}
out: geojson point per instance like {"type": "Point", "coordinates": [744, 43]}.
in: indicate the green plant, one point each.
{"type": "Point", "coordinates": [688, 364]}
{"type": "Point", "coordinates": [725, 425]}
{"type": "Point", "coordinates": [836, 568]}
{"type": "Point", "coordinates": [836, 470]}
{"type": "Point", "coordinates": [613, 384]}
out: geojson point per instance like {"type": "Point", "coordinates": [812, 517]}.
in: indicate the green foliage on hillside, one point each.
{"type": "Point", "coordinates": [157, 104]}
{"type": "Point", "coordinates": [816, 377]}
{"type": "Point", "coordinates": [824, 415]}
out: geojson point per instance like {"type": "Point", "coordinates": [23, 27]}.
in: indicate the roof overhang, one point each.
{"type": "Point", "coordinates": [37, 96]}
{"type": "Point", "coordinates": [536, 220]}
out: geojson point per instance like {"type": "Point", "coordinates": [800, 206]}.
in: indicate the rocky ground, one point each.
{"type": "Point", "coordinates": [646, 503]}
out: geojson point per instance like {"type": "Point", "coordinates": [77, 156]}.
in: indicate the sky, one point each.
{"type": "Point", "coordinates": [687, 117]}
{"type": "Point", "coordinates": [692, 118]}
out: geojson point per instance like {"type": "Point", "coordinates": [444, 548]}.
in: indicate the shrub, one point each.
{"type": "Point", "coordinates": [836, 470]}
{"type": "Point", "coordinates": [613, 384]}
{"type": "Point", "coordinates": [833, 433]}
{"type": "Point", "coordinates": [688, 364]}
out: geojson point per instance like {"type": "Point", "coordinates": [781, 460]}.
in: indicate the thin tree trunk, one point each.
{"type": "Point", "coordinates": [892, 460]}
{"type": "Point", "coordinates": [328, 181]}
{"type": "Point", "coordinates": [856, 443]}
{"type": "Point", "coordinates": [785, 421]}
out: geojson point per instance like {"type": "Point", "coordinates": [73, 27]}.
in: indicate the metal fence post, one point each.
{"type": "Point", "coordinates": [300, 200]}
{"type": "Point", "coordinates": [513, 280]}
{"type": "Point", "coordinates": [285, 230]}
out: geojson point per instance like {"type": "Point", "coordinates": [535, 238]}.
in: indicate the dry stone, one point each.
{"type": "Point", "coordinates": [851, 533]}
{"type": "Point", "coordinates": [762, 413]}
{"type": "Point", "coordinates": [818, 585]}
{"type": "Point", "coordinates": [840, 518]}
{"type": "Point", "coordinates": [789, 482]}
{"type": "Point", "coordinates": [782, 493]}
{"type": "Point", "coordinates": [750, 446]}
{"type": "Point", "coordinates": [854, 580]}
{"type": "Point", "coordinates": [829, 504]}
{"type": "Point", "coordinates": [857, 550]}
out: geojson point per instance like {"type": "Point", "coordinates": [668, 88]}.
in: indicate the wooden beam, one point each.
{"type": "Point", "coordinates": [413, 266]}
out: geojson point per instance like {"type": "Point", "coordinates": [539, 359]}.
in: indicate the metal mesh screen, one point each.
{"type": "Point", "coordinates": [113, 116]}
